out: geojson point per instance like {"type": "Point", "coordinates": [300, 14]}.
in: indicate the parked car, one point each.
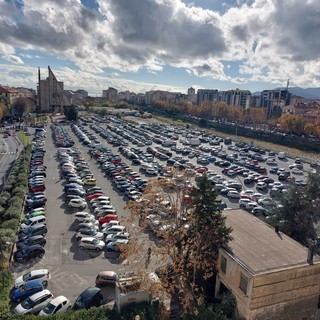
{"type": "Point", "coordinates": [91, 297]}
{"type": "Point", "coordinates": [34, 303]}
{"type": "Point", "coordinates": [26, 290]}
{"type": "Point", "coordinates": [105, 278]}
{"type": "Point", "coordinates": [89, 233]}
{"type": "Point", "coordinates": [59, 304]}
{"type": "Point", "coordinates": [77, 203]}
{"type": "Point", "coordinates": [39, 239]}
{"type": "Point", "coordinates": [40, 229]}
{"type": "Point", "coordinates": [116, 246]}
{"type": "Point", "coordinates": [28, 253]}
{"type": "Point", "coordinates": [91, 243]}
{"type": "Point", "coordinates": [83, 215]}
{"type": "Point", "coordinates": [89, 182]}
{"type": "Point", "coordinates": [42, 275]}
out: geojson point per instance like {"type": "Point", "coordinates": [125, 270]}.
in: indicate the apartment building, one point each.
{"type": "Point", "coordinates": [236, 98]}
{"type": "Point", "coordinates": [207, 95]}
{"type": "Point", "coordinates": [272, 276]}
{"type": "Point", "coordinates": [111, 94]}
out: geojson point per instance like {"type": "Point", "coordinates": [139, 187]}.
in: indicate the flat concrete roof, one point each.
{"type": "Point", "coordinates": [259, 248]}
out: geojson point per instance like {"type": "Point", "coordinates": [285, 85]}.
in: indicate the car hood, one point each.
{"type": "Point", "coordinates": [19, 309]}
{"type": "Point", "coordinates": [18, 282]}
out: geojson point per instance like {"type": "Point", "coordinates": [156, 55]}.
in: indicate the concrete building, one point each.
{"type": "Point", "coordinates": [273, 99]}
{"type": "Point", "coordinates": [235, 98]}
{"type": "Point", "coordinates": [207, 95]}
{"type": "Point", "coordinates": [268, 272]}
{"type": "Point", "coordinates": [111, 94]}
{"type": "Point", "coordinates": [80, 95]}
{"type": "Point", "coordinates": [51, 96]}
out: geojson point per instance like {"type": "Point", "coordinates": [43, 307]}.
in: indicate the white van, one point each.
{"type": "Point", "coordinates": [282, 155]}
{"type": "Point", "coordinates": [34, 221]}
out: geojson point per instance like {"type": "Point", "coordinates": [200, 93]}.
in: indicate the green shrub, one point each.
{"type": "Point", "coordinates": [2, 210]}
{"type": "Point", "coordinates": [6, 280]}
{"type": "Point", "coordinates": [9, 187]}
{"type": "Point", "coordinates": [3, 201]}
{"type": "Point", "coordinates": [15, 199]}
{"type": "Point", "coordinates": [6, 195]}
{"type": "Point", "coordinates": [12, 213]}
{"type": "Point", "coordinates": [12, 224]}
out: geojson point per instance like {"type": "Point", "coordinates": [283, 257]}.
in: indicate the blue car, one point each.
{"type": "Point", "coordinates": [26, 290]}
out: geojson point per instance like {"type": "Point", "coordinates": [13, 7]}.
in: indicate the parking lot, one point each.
{"type": "Point", "coordinates": [73, 270]}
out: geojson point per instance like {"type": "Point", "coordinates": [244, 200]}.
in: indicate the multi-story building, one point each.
{"type": "Point", "coordinates": [272, 276]}
{"type": "Point", "coordinates": [51, 96]}
{"type": "Point", "coordinates": [273, 99]}
{"type": "Point", "coordinates": [207, 95]}
{"type": "Point", "coordinates": [111, 94]}
{"type": "Point", "coordinates": [80, 95]}
{"type": "Point", "coordinates": [235, 98]}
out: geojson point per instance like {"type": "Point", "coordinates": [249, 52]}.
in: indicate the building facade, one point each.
{"type": "Point", "coordinates": [51, 95]}
{"type": "Point", "coordinates": [236, 98]}
{"type": "Point", "coordinates": [111, 94]}
{"type": "Point", "coordinates": [207, 95]}
{"type": "Point", "coordinates": [271, 275]}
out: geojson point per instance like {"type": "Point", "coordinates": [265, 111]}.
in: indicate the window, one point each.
{"type": "Point", "coordinates": [223, 264]}
{"type": "Point", "coordinates": [243, 283]}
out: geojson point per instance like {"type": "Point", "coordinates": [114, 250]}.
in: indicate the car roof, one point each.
{"type": "Point", "coordinates": [56, 301]}
{"type": "Point", "coordinates": [39, 294]}
{"type": "Point", "coordinates": [32, 283]}
{"type": "Point", "coordinates": [88, 238]}
{"type": "Point", "coordinates": [107, 273]}
{"type": "Point", "coordinates": [89, 292]}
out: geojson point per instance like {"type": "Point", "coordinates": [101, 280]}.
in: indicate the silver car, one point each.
{"type": "Point", "coordinates": [91, 243]}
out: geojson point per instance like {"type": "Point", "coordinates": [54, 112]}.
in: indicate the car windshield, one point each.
{"type": "Point", "coordinates": [95, 241]}
{"type": "Point", "coordinates": [26, 276]}
{"type": "Point", "coordinates": [93, 232]}
{"type": "Point", "coordinates": [80, 302]}
{"type": "Point", "coordinates": [49, 308]}
{"type": "Point", "coordinates": [27, 304]}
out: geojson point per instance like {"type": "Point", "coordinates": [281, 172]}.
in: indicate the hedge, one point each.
{"type": "Point", "coordinates": [12, 213]}
{"type": "Point", "coordinates": [12, 224]}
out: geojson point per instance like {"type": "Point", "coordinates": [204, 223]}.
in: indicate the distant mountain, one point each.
{"type": "Point", "coordinates": [308, 93]}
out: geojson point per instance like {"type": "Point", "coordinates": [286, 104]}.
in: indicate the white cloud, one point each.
{"type": "Point", "coordinates": [273, 39]}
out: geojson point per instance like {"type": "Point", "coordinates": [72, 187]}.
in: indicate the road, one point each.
{"type": "Point", "coordinates": [8, 147]}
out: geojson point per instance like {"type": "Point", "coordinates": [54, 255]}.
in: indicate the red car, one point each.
{"type": "Point", "coordinates": [201, 169]}
{"type": "Point", "coordinates": [37, 188]}
{"type": "Point", "coordinates": [95, 195]}
{"type": "Point", "coordinates": [107, 218]}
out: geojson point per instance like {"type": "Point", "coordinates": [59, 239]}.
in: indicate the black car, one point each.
{"type": "Point", "coordinates": [39, 229]}
{"type": "Point", "coordinates": [41, 240]}
{"type": "Point", "coordinates": [28, 253]}
{"type": "Point", "coordinates": [36, 204]}
{"type": "Point", "coordinates": [91, 297]}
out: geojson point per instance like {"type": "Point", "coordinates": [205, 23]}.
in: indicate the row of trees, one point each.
{"type": "Point", "coordinates": [18, 108]}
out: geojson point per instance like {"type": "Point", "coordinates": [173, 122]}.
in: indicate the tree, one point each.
{"type": "Point", "coordinates": [20, 106]}
{"type": "Point", "coordinates": [7, 237]}
{"type": "Point", "coordinates": [298, 214]}
{"type": "Point", "coordinates": [190, 233]}
{"type": "Point", "coordinates": [71, 113]}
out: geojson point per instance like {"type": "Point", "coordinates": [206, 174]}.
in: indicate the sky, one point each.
{"type": "Point", "coordinates": [142, 45]}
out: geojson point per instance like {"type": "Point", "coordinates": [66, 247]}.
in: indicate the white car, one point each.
{"type": "Point", "coordinates": [261, 185]}
{"type": "Point", "coordinates": [265, 201]}
{"type": "Point", "coordinates": [271, 161]}
{"type": "Point", "coordinates": [103, 208]}
{"type": "Point", "coordinates": [89, 233]}
{"type": "Point", "coordinates": [57, 305]}
{"type": "Point", "coordinates": [113, 230]}
{"type": "Point", "coordinates": [296, 171]}
{"type": "Point", "coordinates": [276, 184]}
{"type": "Point", "coordinates": [256, 196]}
{"type": "Point", "coordinates": [99, 199]}
{"type": "Point", "coordinates": [248, 192]}
{"type": "Point", "coordinates": [243, 202]}
{"type": "Point", "coordinates": [83, 215]}
{"type": "Point", "coordinates": [41, 275]}
{"type": "Point", "coordinates": [151, 171]}
{"type": "Point", "coordinates": [91, 243]}
{"type": "Point", "coordinates": [100, 204]}
{"type": "Point", "coordinates": [77, 203]}
{"type": "Point", "coordinates": [34, 303]}
{"type": "Point", "coordinates": [110, 224]}
{"type": "Point", "coordinates": [116, 237]}
{"type": "Point", "coordinates": [233, 194]}
{"type": "Point", "coordinates": [251, 205]}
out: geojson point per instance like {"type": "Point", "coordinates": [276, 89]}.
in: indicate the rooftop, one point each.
{"type": "Point", "coordinates": [259, 248]}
